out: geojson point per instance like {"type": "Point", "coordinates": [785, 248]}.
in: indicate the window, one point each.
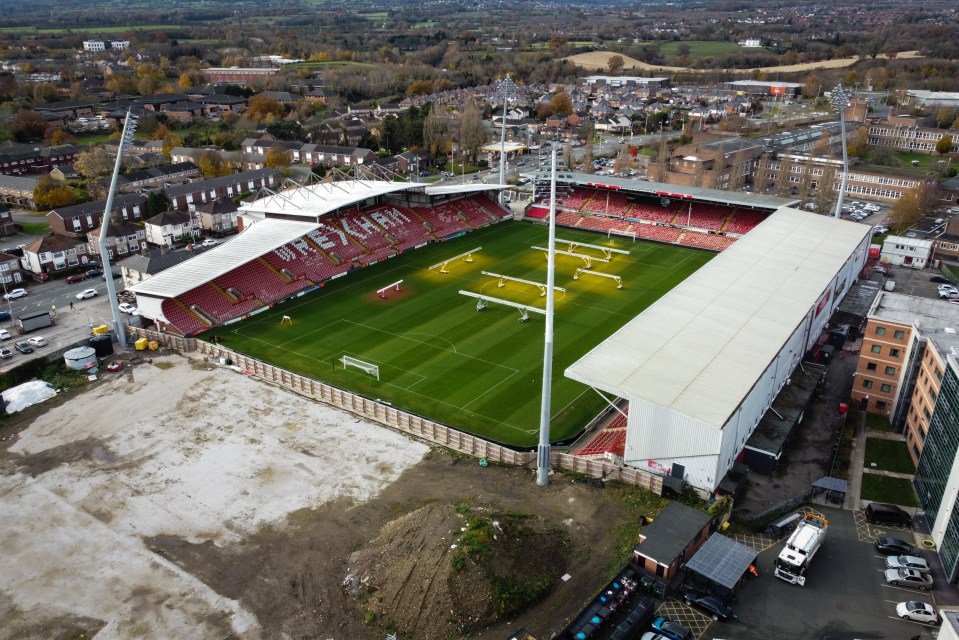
{"type": "Point", "coordinates": [880, 405]}
{"type": "Point", "coordinates": [885, 388]}
{"type": "Point", "coordinates": [870, 366]}
{"type": "Point", "coordinates": [876, 348]}
{"type": "Point", "coordinates": [880, 331]}
{"type": "Point", "coordinates": [899, 335]}
{"type": "Point", "coordinates": [890, 371]}
{"type": "Point", "coordinates": [894, 353]}
{"type": "Point", "coordinates": [867, 384]}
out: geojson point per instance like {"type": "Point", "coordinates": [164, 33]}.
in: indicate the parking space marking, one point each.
{"type": "Point", "coordinates": [906, 589]}
{"type": "Point", "coordinates": [685, 615]}
{"type": "Point", "coordinates": [921, 624]}
{"type": "Point", "coordinates": [868, 532]}
{"type": "Point", "coordinates": [758, 542]}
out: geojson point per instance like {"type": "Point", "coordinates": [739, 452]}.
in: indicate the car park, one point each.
{"type": "Point", "coordinates": [881, 513]}
{"type": "Point", "coordinates": [76, 277]}
{"type": "Point", "coordinates": [908, 578]}
{"type": "Point", "coordinates": [86, 293]}
{"type": "Point", "coordinates": [14, 294]}
{"type": "Point", "coordinates": [126, 307]}
{"type": "Point", "coordinates": [6, 353]}
{"type": "Point", "coordinates": [907, 562]}
{"type": "Point", "coordinates": [672, 630]}
{"type": "Point", "coordinates": [711, 605]}
{"type": "Point", "coordinates": [23, 346]}
{"type": "Point", "coordinates": [37, 341]}
{"type": "Point", "coordinates": [895, 547]}
{"type": "Point", "coordinates": [918, 612]}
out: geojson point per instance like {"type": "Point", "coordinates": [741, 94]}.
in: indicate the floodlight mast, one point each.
{"type": "Point", "coordinates": [839, 100]}
{"type": "Point", "coordinates": [507, 90]}
{"type": "Point", "coordinates": [542, 451]}
{"type": "Point", "coordinates": [129, 128]}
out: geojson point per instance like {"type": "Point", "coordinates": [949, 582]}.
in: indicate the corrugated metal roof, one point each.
{"type": "Point", "coordinates": [262, 237]}
{"type": "Point", "coordinates": [312, 201]}
{"type": "Point", "coordinates": [700, 348]}
{"type": "Point", "coordinates": [463, 188]}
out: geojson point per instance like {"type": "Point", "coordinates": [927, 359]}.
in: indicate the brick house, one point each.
{"type": "Point", "coordinates": [185, 196]}
{"type": "Point", "coordinates": [171, 227]}
{"type": "Point", "coordinates": [53, 253]}
{"type": "Point", "coordinates": [123, 237]}
{"type": "Point", "coordinates": [218, 218]}
{"type": "Point", "coordinates": [10, 274]}
{"type": "Point", "coordinates": [77, 220]}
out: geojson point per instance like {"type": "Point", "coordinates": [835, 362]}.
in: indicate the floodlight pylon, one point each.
{"type": "Point", "coordinates": [543, 450]}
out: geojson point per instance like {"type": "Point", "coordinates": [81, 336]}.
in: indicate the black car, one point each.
{"type": "Point", "coordinates": [895, 547]}
{"type": "Point", "coordinates": [881, 513]}
{"type": "Point", "coordinates": [4, 315]}
{"type": "Point", "coordinates": [94, 273]}
{"type": "Point", "coordinates": [940, 279]}
{"type": "Point", "coordinates": [709, 604]}
{"type": "Point", "coordinates": [23, 347]}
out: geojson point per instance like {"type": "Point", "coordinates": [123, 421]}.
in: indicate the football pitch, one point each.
{"type": "Point", "coordinates": [438, 356]}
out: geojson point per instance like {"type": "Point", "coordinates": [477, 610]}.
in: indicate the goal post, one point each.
{"type": "Point", "coordinates": [371, 369]}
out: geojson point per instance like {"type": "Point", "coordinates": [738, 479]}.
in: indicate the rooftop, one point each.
{"type": "Point", "coordinates": [671, 532]}
{"type": "Point", "coordinates": [937, 320]}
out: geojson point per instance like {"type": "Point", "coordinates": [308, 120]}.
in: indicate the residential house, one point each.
{"type": "Point", "coordinates": [10, 274]}
{"type": "Point", "coordinates": [79, 219]}
{"type": "Point", "coordinates": [247, 161]}
{"type": "Point", "coordinates": [944, 246]}
{"type": "Point", "coordinates": [53, 253]}
{"type": "Point", "coordinates": [123, 237]}
{"type": "Point", "coordinates": [7, 226]}
{"type": "Point", "coordinates": [218, 218]}
{"type": "Point", "coordinates": [220, 103]}
{"type": "Point", "coordinates": [155, 176]}
{"type": "Point", "coordinates": [312, 154]}
{"type": "Point", "coordinates": [169, 227]}
{"type": "Point", "coordinates": [149, 262]}
{"type": "Point", "coordinates": [18, 190]}
{"type": "Point", "coordinates": [19, 159]}
{"type": "Point", "coordinates": [185, 197]}
{"type": "Point", "coordinates": [64, 172]}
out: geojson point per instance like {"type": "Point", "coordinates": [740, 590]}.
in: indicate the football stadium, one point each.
{"type": "Point", "coordinates": [430, 297]}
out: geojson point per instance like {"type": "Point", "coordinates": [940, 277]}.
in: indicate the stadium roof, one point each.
{"type": "Point", "coordinates": [462, 188]}
{"type": "Point", "coordinates": [312, 201]}
{"type": "Point", "coordinates": [675, 191]}
{"type": "Point", "coordinates": [699, 349]}
{"type": "Point", "coordinates": [264, 236]}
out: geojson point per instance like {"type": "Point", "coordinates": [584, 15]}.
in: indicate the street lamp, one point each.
{"type": "Point", "coordinates": [129, 128]}
{"type": "Point", "coordinates": [507, 91]}
{"type": "Point", "coordinates": [839, 100]}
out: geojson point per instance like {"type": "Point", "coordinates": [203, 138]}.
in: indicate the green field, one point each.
{"type": "Point", "coordinates": [439, 357]}
{"type": "Point", "coordinates": [699, 48]}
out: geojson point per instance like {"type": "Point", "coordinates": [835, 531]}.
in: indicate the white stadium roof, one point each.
{"type": "Point", "coordinates": [699, 349]}
{"type": "Point", "coordinates": [260, 238]}
{"type": "Point", "coordinates": [312, 201]}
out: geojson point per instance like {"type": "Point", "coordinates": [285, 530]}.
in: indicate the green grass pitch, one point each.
{"type": "Point", "coordinates": [479, 371]}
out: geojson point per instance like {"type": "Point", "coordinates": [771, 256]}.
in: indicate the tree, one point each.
{"type": "Point", "coordinates": [944, 145]}
{"type": "Point", "coordinates": [213, 165]}
{"type": "Point", "coordinates": [157, 202]}
{"type": "Point", "coordinates": [94, 163]}
{"type": "Point", "coordinates": [615, 65]}
{"type": "Point", "coordinates": [50, 194]}
{"type": "Point", "coordinates": [28, 124]}
{"type": "Point", "coordinates": [436, 129]}
{"type": "Point", "coordinates": [263, 108]}
{"type": "Point", "coordinates": [826, 193]}
{"type": "Point", "coordinates": [472, 133]}
{"type": "Point", "coordinates": [60, 136]}
{"type": "Point", "coordinates": [560, 105]}
{"type": "Point", "coordinates": [277, 157]}
{"type": "Point", "coordinates": [860, 144]}
{"type": "Point", "coordinates": [906, 210]}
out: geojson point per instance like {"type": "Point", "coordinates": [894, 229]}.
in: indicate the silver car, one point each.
{"type": "Point", "coordinates": [907, 562]}
{"type": "Point", "coordinates": [909, 578]}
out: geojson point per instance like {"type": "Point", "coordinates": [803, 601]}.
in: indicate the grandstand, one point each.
{"type": "Point", "coordinates": [688, 216]}
{"type": "Point", "coordinates": [297, 239]}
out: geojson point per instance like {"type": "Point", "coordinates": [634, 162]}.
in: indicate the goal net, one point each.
{"type": "Point", "coordinates": [371, 369]}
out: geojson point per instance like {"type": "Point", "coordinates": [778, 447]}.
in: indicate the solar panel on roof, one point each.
{"type": "Point", "coordinates": [722, 560]}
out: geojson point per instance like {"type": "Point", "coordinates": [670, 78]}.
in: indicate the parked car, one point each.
{"type": "Point", "coordinates": [917, 612]}
{"type": "Point", "coordinates": [895, 547]}
{"type": "Point", "coordinates": [878, 512]}
{"type": "Point", "coordinates": [209, 242]}
{"type": "Point", "coordinates": [4, 315]}
{"type": "Point", "coordinates": [76, 277]}
{"type": "Point", "coordinates": [949, 295]}
{"type": "Point", "coordinates": [126, 307]}
{"type": "Point", "coordinates": [649, 635]}
{"type": "Point", "coordinates": [939, 279]}
{"type": "Point", "coordinates": [907, 562]}
{"type": "Point", "coordinates": [5, 353]}
{"type": "Point", "coordinates": [23, 346]}
{"type": "Point", "coordinates": [909, 578]}
{"type": "Point", "coordinates": [710, 604]}
{"type": "Point", "coordinates": [13, 294]}
{"type": "Point", "coordinates": [94, 273]}
{"type": "Point", "coordinates": [37, 341]}
{"type": "Point", "coordinates": [947, 287]}
{"type": "Point", "coordinates": [672, 630]}
{"type": "Point", "coordinates": [4, 334]}
{"type": "Point", "coordinates": [86, 293]}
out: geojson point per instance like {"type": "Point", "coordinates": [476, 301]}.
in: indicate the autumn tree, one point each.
{"type": "Point", "coordinates": [213, 165]}
{"type": "Point", "coordinates": [826, 194]}
{"type": "Point", "coordinates": [472, 132]}
{"type": "Point", "coordinates": [94, 163]}
{"type": "Point", "coordinates": [560, 105]}
{"type": "Point", "coordinates": [59, 136]}
{"type": "Point", "coordinates": [277, 157]}
{"type": "Point", "coordinates": [50, 194]}
{"type": "Point", "coordinates": [906, 210]}
{"type": "Point", "coordinates": [944, 145]}
{"type": "Point", "coordinates": [436, 129]}
{"type": "Point", "coordinates": [261, 108]}
{"type": "Point", "coordinates": [859, 147]}
{"type": "Point", "coordinates": [420, 88]}
{"type": "Point", "coordinates": [28, 124]}
{"type": "Point", "coordinates": [615, 65]}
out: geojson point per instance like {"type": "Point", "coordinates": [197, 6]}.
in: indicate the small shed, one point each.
{"type": "Point", "coordinates": [720, 565]}
{"type": "Point", "coordinates": [671, 538]}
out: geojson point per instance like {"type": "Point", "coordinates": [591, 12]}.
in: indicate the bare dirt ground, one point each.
{"type": "Point", "coordinates": [600, 60]}
{"type": "Point", "coordinates": [178, 500]}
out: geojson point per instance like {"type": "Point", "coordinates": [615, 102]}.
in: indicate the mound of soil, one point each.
{"type": "Point", "coordinates": [443, 571]}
